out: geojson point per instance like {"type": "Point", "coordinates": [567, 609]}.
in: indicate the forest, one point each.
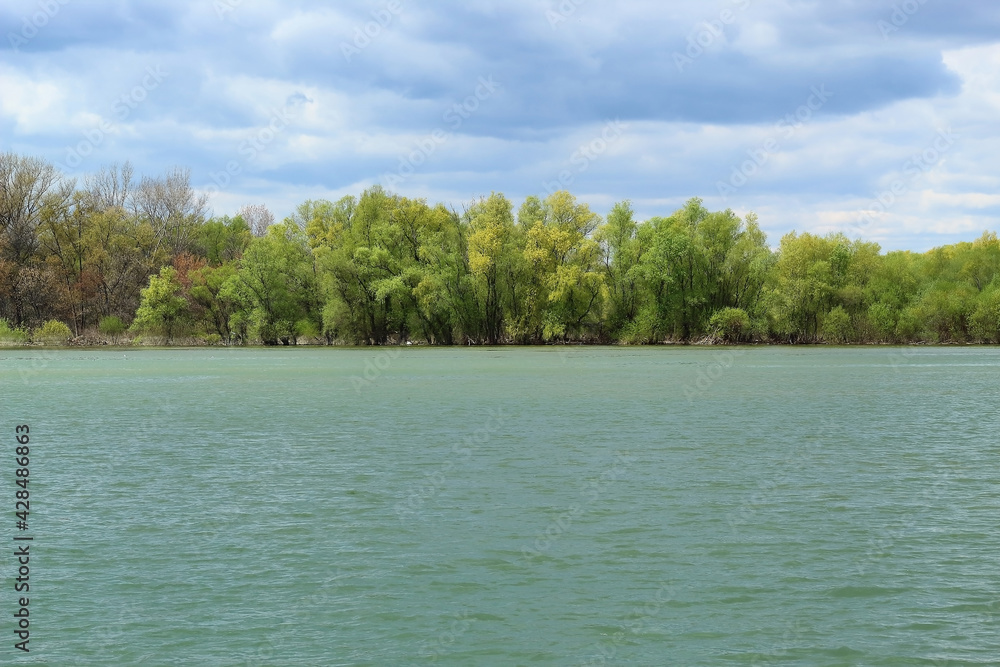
{"type": "Point", "coordinates": [122, 259]}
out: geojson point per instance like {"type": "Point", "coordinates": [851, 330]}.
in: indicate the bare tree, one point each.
{"type": "Point", "coordinates": [25, 182]}
{"type": "Point", "coordinates": [257, 217]}
{"type": "Point", "coordinates": [111, 187]}
{"type": "Point", "coordinates": [171, 206]}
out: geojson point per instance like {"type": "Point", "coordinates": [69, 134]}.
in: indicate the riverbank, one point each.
{"type": "Point", "coordinates": [77, 344]}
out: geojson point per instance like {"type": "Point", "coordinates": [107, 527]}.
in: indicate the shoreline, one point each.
{"type": "Point", "coordinates": [310, 346]}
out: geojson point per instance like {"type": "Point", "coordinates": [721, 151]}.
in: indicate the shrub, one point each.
{"type": "Point", "coordinates": [307, 328]}
{"type": "Point", "coordinates": [883, 321]}
{"type": "Point", "coordinates": [53, 332]}
{"type": "Point", "coordinates": [909, 328]}
{"type": "Point", "coordinates": [643, 329]}
{"type": "Point", "coordinates": [111, 326]}
{"type": "Point", "coordinates": [837, 326]}
{"type": "Point", "coordinates": [985, 321]}
{"type": "Point", "coordinates": [10, 335]}
{"type": "Point", "coordinates": [730, 324]}
{"type": "Point", "coordinates": [945, 310]}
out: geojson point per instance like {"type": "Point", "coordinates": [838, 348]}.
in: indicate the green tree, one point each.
{"type": "Point", "coordinates": [491, 232]}
{"type": "Point", "coordinates": [621, 252]}
{"type": "Point", "coordinates": [563, 269]}
{"type": "Point", "coordinates": [802, 286]}
{"type": "Point", "coordinates": [276, 286]}
{"type": "Point", "coordinates": [732, 325]}
{"type": "Point", "coordinates": [362, 258]}
{"type": "Point", "coordinates": [162, 307]}
{"type": "Point", "coordinates": [985, 320]}
{"type": "Point", "coordinates": [664, 249]}
{"type": "Point", "coordinates": [222, 240]}
{"type": "Point", "coordinates": [212, 303]}
{"type": "Point", "coordinates": [837, 326]}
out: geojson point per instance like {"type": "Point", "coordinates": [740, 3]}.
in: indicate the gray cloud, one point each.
{"type": "Point", "coordinates": [371, 80]}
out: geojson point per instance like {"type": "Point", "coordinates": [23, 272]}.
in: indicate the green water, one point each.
{"type": "Point", "coordinates": [575, 506]}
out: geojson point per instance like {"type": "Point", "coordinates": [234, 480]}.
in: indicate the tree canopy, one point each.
{"type": "Point", "coordinates": [381, 268]}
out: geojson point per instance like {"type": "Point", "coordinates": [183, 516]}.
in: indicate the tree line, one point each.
{"type": "Point", "coordinates": [125, 259]}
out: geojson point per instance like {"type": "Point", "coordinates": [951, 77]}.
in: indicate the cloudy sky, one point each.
{"type": "Point", "coordinates": [878, 118]}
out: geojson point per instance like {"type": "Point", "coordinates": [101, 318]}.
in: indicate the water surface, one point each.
{"type": "Point", "coordinates": [542, 506]}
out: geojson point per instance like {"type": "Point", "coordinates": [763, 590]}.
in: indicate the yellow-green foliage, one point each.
{"type": "Point", "coordinates": [52, 332]}
{"type": "Point", "coordinates": [111, 326]}
{"type": "Point", "coordinates": [11, 335]}
{"type": "Point", "coordinates": [382, 268]}
{"type": "Point", "coordinates": [731, 324]}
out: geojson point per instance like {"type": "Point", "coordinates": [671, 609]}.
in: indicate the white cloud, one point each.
{"type": "Point", "coordinates": [35, 106]}
{"type": "Point", "coordinates": [687, 131]}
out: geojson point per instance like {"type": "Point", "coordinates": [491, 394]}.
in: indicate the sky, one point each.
{"type": "Point", "coordinates": [874, 118]}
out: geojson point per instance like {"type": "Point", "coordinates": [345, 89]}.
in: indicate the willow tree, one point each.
{"type": "Point", "coordinates": [490, 224]}
{"type": "Point", "coordinates": [276, 285]}
{"type": "Point", "coordinates": [565, 267]}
